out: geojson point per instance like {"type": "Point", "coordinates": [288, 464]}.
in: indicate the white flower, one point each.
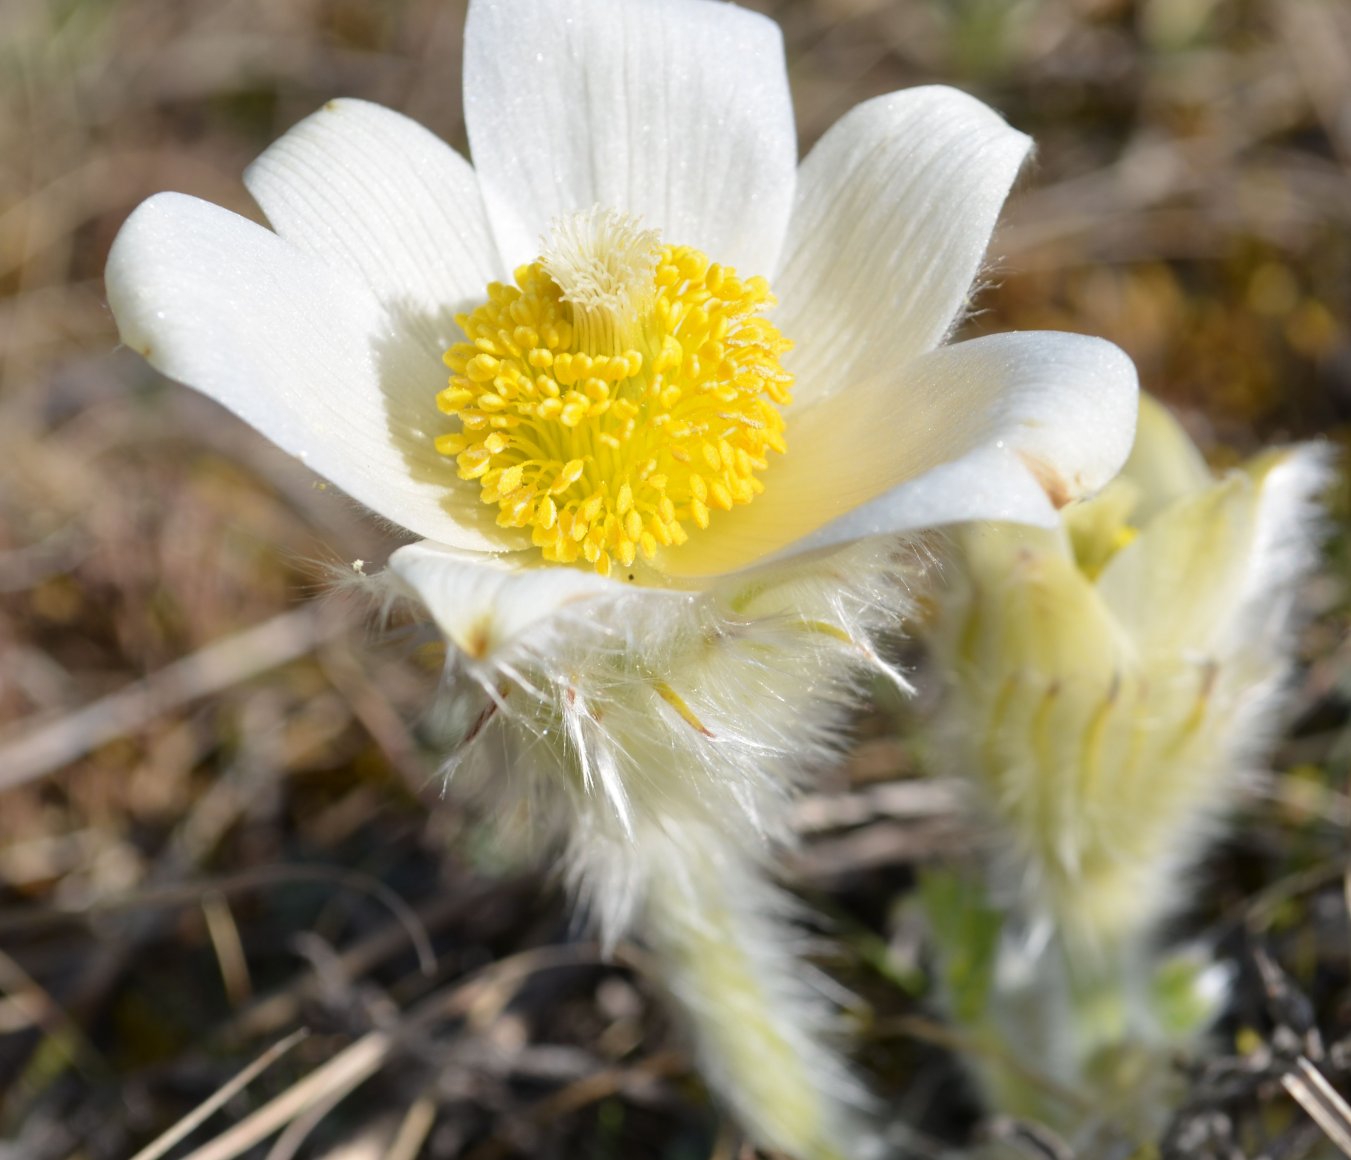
{"type": "Point", "coordinates": [682, 366]}
{"type": "Point", "coordinates": [328, 335]}
{"type": "Point", "coordinates": [1110, 678]}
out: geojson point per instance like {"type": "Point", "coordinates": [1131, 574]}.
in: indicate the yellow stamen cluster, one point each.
{"type": "Point", "coordinates": [608, 423]}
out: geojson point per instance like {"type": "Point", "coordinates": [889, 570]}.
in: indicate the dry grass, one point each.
{"type": "Point", "coordinates": [220, 822]}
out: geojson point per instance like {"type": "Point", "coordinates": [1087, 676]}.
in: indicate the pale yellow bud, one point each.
{"type": "Point", "coordinates": [1109, 677]}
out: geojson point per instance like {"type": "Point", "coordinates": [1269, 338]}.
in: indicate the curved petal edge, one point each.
{"type": "Point", "coordinates": [300, 350]}
{"type": "Point", "coordinates": [1007, 427]}
{"type": "Point", "coordinates": [894, 210]}
{"type": "Point", "coordinates": [484, 603]}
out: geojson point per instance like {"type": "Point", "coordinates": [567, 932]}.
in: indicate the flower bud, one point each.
{"type": "Point", "coordinates": [1109, 678]}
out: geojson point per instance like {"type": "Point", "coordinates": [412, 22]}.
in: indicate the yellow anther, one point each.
{"type": "Point", "coordinates": [451, 445]}
{"type": "Point", "coordinates": [454, 399]}
{"type": "Point", "coordinates": [671, 354]}
{"type": "Point", "coordinates": [481, 368]}
{"type": "Point", "coordinates": [511, 479]}
{"type": "Point", "coordinates": [474, 463]}
{"type": "Point", "coordinates": [570, 473]}
{"type": "Point", "coordinates": [519, 513]}
{"type": "Point", "coordinates": [617, 391]}
{"type": "Point", "coordinates": [591, 508]}
{"type": "Point", "coordinates": [548, 514]}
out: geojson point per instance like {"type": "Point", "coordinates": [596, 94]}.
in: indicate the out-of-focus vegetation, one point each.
{"type": "Point", "coordinates": [219, 821]}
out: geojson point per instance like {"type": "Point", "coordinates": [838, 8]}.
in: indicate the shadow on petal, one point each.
{"type": "Point", "coordinates": [410, 370]}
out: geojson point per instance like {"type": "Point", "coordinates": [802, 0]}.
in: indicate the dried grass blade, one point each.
{"type": "Point", "coordinates": [162, 1143]}
{"type": "Point", "coordinates": [1311, 1090]}
{"type": "Point", "coordinates": [345, 1071]}
{"type": "Point", "coordinates": [413, 1131]}
{"type": "Point", "coordinates": [41, 749]}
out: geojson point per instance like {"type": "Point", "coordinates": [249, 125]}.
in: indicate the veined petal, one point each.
{"type": "Point", "coordinates": [1176, 585]}
{"type": "Point", "coordinates": [1214, 572]}
{"type": "Point", "coordinates": [368, 189]}
{"type": "Point", "coordinates": [1038, 613]}
{"type": "Point", "coordinates": [676, 112]}
{"type": "Point", "coordinates": [1007, 427]}
{"type": "Point", "coordinates": [894, 210]}
{"type": "Point", "coordinates": [482, 603]}
{"type": "Point", "coordinates": [299, 350]}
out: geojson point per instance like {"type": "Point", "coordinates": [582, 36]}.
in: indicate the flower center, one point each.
{"type": "Point", "coordinates": [619, 391]}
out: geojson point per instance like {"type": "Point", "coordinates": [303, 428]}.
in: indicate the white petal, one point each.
{"type": "Point", "coordinates": [675, 110]}
{"type": "Point", "coordinates": [301, 351]}
{"type": "Point", "coordinates": [482, 603]}
{"type": "Point", "coordinates": [376, 193]}
{"type": "Point", "coordinates": [1007, 427]}
{"type": "Point", "coordinates": [894, 210]}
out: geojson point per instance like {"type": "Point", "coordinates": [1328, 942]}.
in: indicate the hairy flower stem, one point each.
{"type": "Point", "coordinates": [725, 949]}
{"type": "Point", "coordinates": [1084, 1046]}
{"type": "Point", "coordinates": [656, 742]}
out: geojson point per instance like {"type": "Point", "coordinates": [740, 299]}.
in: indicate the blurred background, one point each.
{"type": "Point", "coordinates": [219, 816]}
